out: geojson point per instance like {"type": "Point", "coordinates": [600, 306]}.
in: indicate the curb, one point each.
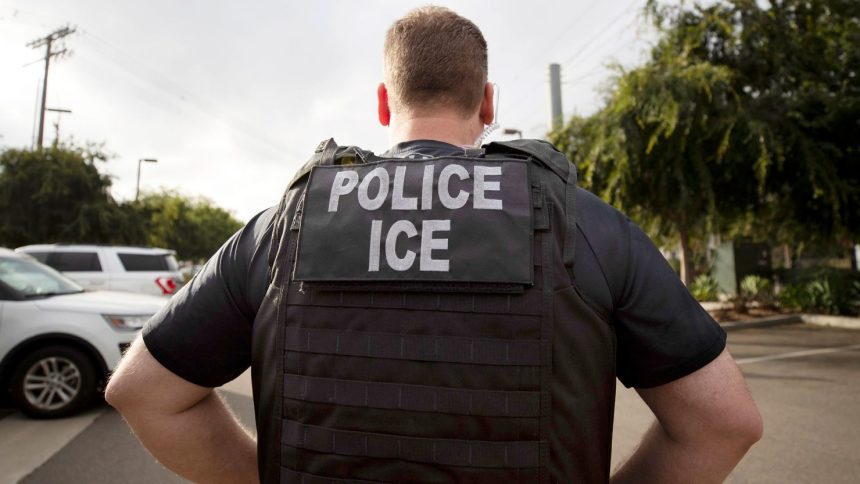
{"type": "Point", "coordinates": [715, 305]}
{"type": "Point", "coordinates": [844, 322]}
{"type": "Point", "coordinates": [765, 322]}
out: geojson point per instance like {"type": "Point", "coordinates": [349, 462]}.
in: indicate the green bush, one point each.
{"type": "Point", "coordinates": [704, 288]}
{"type": "Point", "coordinates": [823, 296]}
{"type": "Point", "coordinates": [855, 302]}
{"type": "Point", "coordinates": [794, 297]}
{"type": "Point", "coordinates": [758, 289]}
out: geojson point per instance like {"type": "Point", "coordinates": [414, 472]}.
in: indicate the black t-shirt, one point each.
{"type": "Point", "coordinates": [204, 333]}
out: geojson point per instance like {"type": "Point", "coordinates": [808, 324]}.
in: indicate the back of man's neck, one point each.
{"type": "Point", "coordinates": [451, 130]}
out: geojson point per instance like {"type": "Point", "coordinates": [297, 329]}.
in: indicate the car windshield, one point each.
{"type": "Point", "coordinates": [32, 279]}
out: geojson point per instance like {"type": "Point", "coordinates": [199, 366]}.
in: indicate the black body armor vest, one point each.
{"type": "Point", "coordinates": [422, 325]}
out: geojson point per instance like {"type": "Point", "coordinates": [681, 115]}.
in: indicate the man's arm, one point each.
{"type": "Point", "coordinates": [188, 428]}
{"type": "Point", "coordinates": [706, 422]}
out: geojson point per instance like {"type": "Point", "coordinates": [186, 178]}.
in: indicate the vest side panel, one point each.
{"type": "Point", "coordinates": [267, 346]}
{"type": "Point", "coordinates": [583, 381]}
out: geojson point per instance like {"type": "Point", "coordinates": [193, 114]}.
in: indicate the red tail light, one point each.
{"type": "Point", "coordinates": [166, 284]}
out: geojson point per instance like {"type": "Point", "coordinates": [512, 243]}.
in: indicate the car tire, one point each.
{"type": "Point", "coordinates": [54, 382]}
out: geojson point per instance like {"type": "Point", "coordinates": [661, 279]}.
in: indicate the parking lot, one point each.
{"type": "Point", "coordinates": [806, 380]}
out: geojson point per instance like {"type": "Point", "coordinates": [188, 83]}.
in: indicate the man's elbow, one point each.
{"type": "Point", "coordinates": [743, 429]}
{"type": "Point", "coordinates": [117, 394]}
{"type": "Point", "coordinates": [754, 429]}
{"type": "Point", "coordinates": [142, 386]}
{"type": "Point", "coordinates": [126, 387]}
{"type": "Point", "coordinates": [733, 430]}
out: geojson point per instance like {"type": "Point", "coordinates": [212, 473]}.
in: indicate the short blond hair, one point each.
{"type": "Point", "coordinates": [435, 58]}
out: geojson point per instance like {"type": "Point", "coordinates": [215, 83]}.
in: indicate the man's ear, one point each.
{"type": "Point", "coordinates": [384, 112]}
{"type": "Point", "coordinates": [488, 109]}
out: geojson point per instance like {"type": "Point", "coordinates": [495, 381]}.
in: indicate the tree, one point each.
{"type": "Point", "coordinates": [652, 149]}
{"type": "Point", "coordinates": [58, 195]}
{"type": "Point", "coordinates": [194, 227]}
{"type": "Point", "coordinates": [797, 64]}
{"type": "Point", "coordinates": [743, 119]}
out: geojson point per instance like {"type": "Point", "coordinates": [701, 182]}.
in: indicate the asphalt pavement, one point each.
{"type": "Point", "coordinates": [806, 382]}
{"type": "Point", "coordinates": [805, 379]}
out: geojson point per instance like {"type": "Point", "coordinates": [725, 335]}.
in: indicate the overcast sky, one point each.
{"type": "Point", "coordinates": [232, 97]}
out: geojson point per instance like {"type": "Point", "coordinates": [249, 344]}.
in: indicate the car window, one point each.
{"type": "Point", "coordinates": [33, 279]}
{"type": "Point", "coordinates": [5, 294]}
{"type": "Point", "coordinates": [75, 261]}
{"type": "Point", "coordinates": [148, 262]}
{"type": "Point", "coordinates": [39, 256]}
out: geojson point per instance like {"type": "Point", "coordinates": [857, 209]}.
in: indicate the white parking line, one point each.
{"type": "Point", "coordinates": [796, 354]}
{"type": "Point", "coordinates": [25, 444]}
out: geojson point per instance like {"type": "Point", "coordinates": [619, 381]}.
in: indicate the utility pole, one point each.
{"type": "Point", "coordinates": [556, 119]}
{"type": "Point", "coordinates": [48, 42]}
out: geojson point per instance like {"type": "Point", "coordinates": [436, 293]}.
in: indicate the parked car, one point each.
{"type": "Point", "coordinates": [58, 342]}
{"type": "Point", "coordinates": [143, 270]}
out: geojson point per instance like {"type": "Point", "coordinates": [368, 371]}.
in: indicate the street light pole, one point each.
{"type": "Point", "coordinates": [142, 160]}
{"type": "Point", "coordinates": [57, 124]}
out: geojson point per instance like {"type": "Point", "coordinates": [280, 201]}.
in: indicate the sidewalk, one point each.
{"type": "Point", "coordinates": [845, 322]}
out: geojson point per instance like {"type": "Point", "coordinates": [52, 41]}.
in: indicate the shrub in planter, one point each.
{"type": "Point", "coordinates": [822, 296]}
{"type": "Point", "coordinates": [794, 297]}
{"type": "Point", "coordinates": [704, 288]}
{"type": "Point", "coordinates": [757, 289]}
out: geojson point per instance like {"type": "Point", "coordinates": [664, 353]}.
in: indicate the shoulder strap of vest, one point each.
{"type": "Point", "coordinates": [324, 151]}
{"type": "Point", "coordinates": [329, 153]}
{"type": "Point", "coordinates": [549, 156]}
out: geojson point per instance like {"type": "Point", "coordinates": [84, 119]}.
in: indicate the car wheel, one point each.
{"type": "Point", "coordinates": [56, 381]}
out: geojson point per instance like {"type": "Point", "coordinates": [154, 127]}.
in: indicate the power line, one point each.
{"type": "Point", "coordinates": [599, 34]}
{"type": "Point", "coordinates": [48, 42]}
{"type": "Point", "coordinates": [558, 37]}
{"type": "Point", "coordinates": [616, 46]}
{"type": "Point", "coordinates": [158, 81]}
{"type": "Point", "coordinates": [147, 74]}
{"type": "Point", "coordinates": [590, 73]}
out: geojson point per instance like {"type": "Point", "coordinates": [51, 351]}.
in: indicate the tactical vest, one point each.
{"type": "Point", "coordinates": [422, 325]}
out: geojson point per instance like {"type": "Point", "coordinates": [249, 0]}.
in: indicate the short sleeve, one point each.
{"type": "Point", "coordinates": [204, 333]}
{"type": "Point", "coordinates": [663, 332]}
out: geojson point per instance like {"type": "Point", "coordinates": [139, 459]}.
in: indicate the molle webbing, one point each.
{"type": "Point", "coordinates": [289, 476]}
{"type": "Point", "coordinates": [344, 353]}
{"type": "Point", "coordinates": [419, 398]}
{"type": "Point", "coordinates": [447, 452]}
{"type": "Point", "coordinates": [449, 349]}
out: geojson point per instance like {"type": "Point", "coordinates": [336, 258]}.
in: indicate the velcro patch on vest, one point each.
{"type": "Point", "coordinates": [446, 219]}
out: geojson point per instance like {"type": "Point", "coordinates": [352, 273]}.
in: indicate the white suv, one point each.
{"type": "Point", "coordinates": [116, 268]}
{"type": "Point", "coordinates": [57, 341]}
